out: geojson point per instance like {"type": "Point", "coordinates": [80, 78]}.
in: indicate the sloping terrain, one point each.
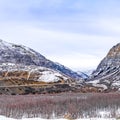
{"type": "Point", "coordinates": [19, 54]}
{"type": "Point", "coordinates": [24, 71]}
{"type": "Point", "coordinates": [107, 75]}
{"type": "Point", "coordinates": [21, 79]}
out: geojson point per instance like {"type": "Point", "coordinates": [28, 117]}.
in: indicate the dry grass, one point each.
{"type": "Point", "coordinates": [70, 105]}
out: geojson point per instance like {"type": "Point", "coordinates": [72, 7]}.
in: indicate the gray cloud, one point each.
{"type": "Point", "coordinates": [63, 30]}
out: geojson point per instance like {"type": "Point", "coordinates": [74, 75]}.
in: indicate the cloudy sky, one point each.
{"type": "Point", "coordinates": [75, 33]}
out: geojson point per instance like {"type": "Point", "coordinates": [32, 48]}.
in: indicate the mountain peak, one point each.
{"type": "Point", "coordinates": [107, 74]}
{"type": "Point", "coordinates": [111, 61]}
{"type": "Point", "coordinates": [19, 54]}
{"type": "Point", "coordinates": [114, 51]}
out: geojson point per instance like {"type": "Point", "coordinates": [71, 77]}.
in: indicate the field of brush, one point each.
{"type": "Point", "coordinates": [62, 105]}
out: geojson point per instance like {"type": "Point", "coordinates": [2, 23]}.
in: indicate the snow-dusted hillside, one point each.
{"type": "Point", "coordinates": [24, 71]}
{"type": "Point", "coordinates": [41, 73]}
{"type": "Point", "coordinates": [31, 79]}
{"type": "Point", "coordinates": [107, 74]}
{"type": "Point", "coordinates": [20, 54]}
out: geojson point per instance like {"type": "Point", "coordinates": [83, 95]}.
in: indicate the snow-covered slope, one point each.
{"type": "Point", "coordinates": [41, 73]}
{"type": "Point", "coordinates": [107, 74]}
{"type": "Point", "coordinates": [20, 54]}
{"type": "Point", "coordinates": [21, 79]}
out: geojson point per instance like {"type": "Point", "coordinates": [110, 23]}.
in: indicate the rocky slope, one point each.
{"type": "Point", "coordinates": [21, 79]}
{"type": "Point", "coordinates": [24, 71]}
{"type": "Point", "coordinates": [107, 75]}
{"type": "Point", "coordinates": [18, 54]}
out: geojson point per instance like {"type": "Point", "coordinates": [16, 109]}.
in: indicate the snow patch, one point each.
{"type": "Point", "coordinates": [96, 83]}
{"type": "Point", "coordinates": [49, 76]}
{"type": "Point", "coordinates": [5, 118]}
{"type": "Point", "coordinates": [116, 83]}
{"type": "Point", "coordinates": [44, 74]}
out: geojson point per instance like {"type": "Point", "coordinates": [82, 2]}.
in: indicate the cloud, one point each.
{"type": "Point", "coordinates": [75, 50]}
{"type": "Point", "coordinates": [42, 9]}
{"type": "Point", "coordinates": [76, 33]}
{"type": "Point", "coordinates": [77, 61]}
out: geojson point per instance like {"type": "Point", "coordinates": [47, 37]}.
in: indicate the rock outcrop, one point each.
{"type": "Point", "coordinates": [19, 54]}
{"type": "Point", "coordinates": [21, 79]}
{"type": "Point", "coordinates": [25, 71]}
{"type": "Point", "coordinates": [107, 74]}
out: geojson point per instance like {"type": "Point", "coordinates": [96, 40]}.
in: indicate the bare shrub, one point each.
{"type": "Point", "coordinates": [76, 105]}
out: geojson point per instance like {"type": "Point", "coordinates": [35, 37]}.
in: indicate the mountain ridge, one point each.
{"type": "Point", "coordinates": [107, 74]}
{"type": "Point", "coordinates": [20, 54]}
{"type": "Point", "coordinates": [25, 71]}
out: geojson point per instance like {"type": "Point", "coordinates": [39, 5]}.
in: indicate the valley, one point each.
{"type": "Point", "coordinates": [25, 71]}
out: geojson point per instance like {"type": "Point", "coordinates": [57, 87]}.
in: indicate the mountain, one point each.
{"type": "Point", "coordinates": [25, 71]}
{"type": "Point", "coordinates": [19, 54]}
{"type": "Point", "coordinates": [107, 75]}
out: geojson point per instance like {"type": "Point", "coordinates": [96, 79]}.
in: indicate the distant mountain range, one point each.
{"type": "Point", "coordinates": [24, 71]}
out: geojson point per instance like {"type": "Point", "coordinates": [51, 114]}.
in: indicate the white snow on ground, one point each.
{"type": "Point", "coordinates": [97, 119]}
{"type": "Point", "coordinates": [5, 118]}
{"type": "Point", "coordinates": [51, 76]}
{"type": "Point", "coordinates": [104, 116]}
{"type": "Point", "coordinates": [44, 74]}
{"type": "Point", "coordinates": [116, 83]}
{"type": "Point", "coordinates": [96, 83]}
{"type": "Point", "coordinates": [100, 86]}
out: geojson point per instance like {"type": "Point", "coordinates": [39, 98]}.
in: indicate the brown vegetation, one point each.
{"type": "Point", "coordinates": [68, 105]}
{"type": "Point", "coordinates": [25, 82]}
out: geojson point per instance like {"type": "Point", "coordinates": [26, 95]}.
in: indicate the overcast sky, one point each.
{"type": "Point", "coordinates": [75, 33]}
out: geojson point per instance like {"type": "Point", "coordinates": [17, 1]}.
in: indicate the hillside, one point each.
{"type": "Point", "coordinates": [107, 74]}
{"type": "Point", "coordinates": [21, 79]}
{"type": "Point", "coordinates": [24, 71]}
{"type": "Point", "coordinates": [19, 54]}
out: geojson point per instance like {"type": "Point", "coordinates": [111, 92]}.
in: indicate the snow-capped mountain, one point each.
{"type": "Point", "coordinates": [19, 54]}
{"type": "Point", "coordinates": [24, 71]}
{"type": "Point", "coordinates": [107, 74]}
